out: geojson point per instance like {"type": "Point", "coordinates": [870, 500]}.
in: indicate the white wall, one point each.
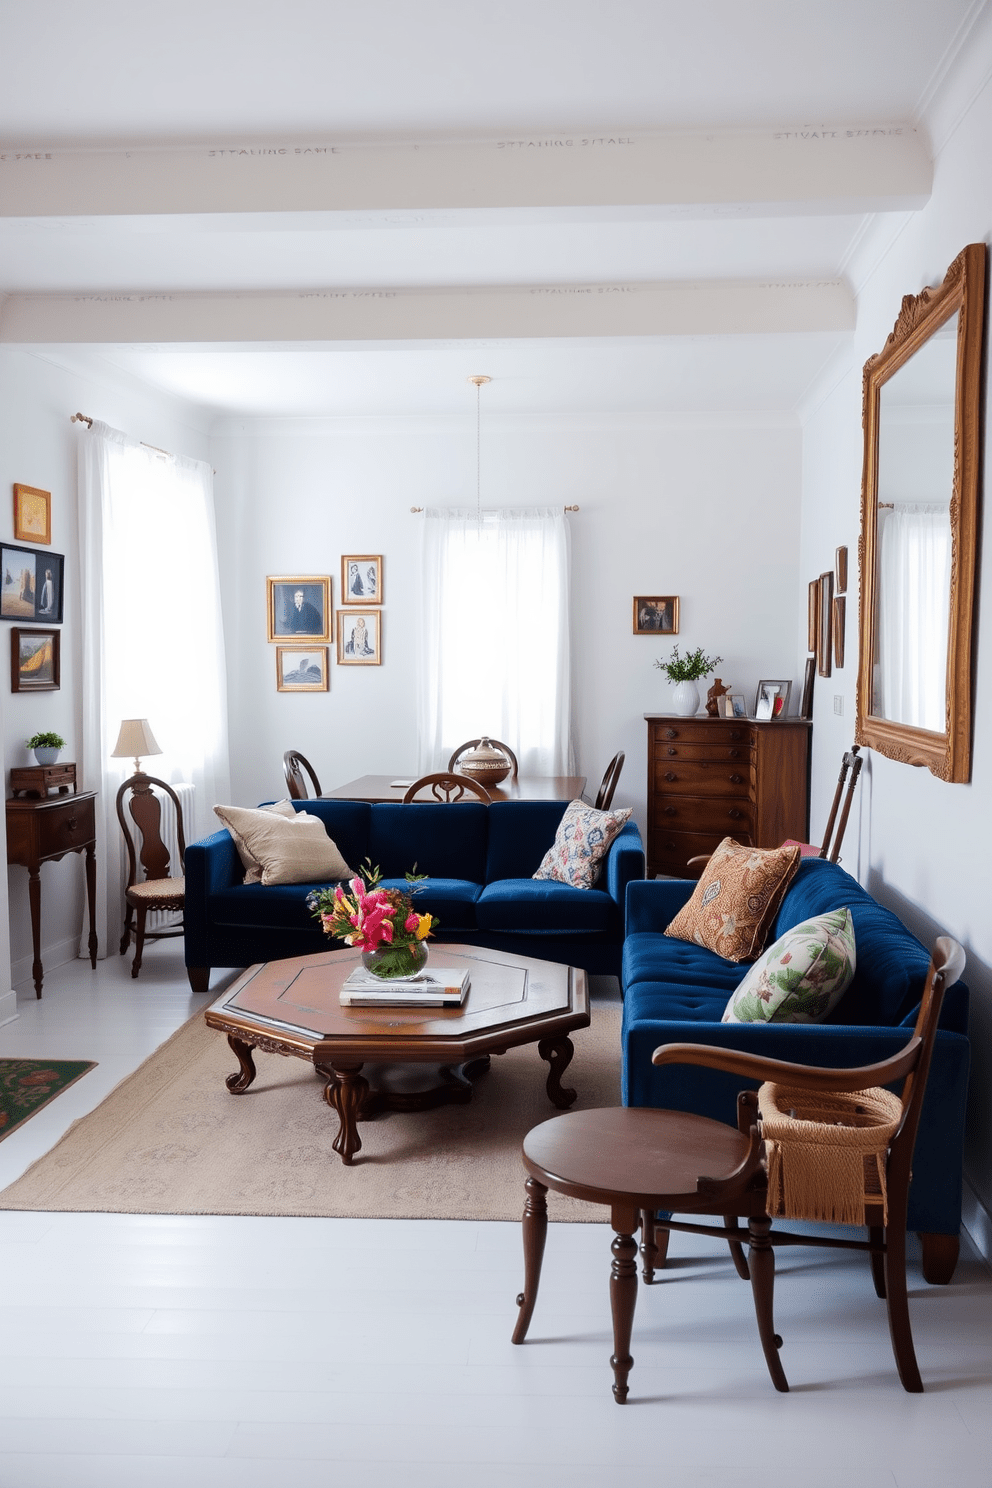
{"type": "Point", "coordinates": [920, 847]}
{"type": "Point", "coordinates": [38, 448]}
{"type": "Point", "coordinates": [706, 508]}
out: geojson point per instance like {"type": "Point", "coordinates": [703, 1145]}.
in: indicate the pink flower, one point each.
{"type": "Point", "coordinates": [411, 922]}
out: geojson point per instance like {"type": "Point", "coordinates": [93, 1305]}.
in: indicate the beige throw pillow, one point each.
{"type": "Point", "coordinates": [280, 846]}
{"type": "Point", "coordinates": [736, 899]}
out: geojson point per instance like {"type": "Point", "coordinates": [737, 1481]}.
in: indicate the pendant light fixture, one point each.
{"type": "Point", "coordinates": [479, 379]}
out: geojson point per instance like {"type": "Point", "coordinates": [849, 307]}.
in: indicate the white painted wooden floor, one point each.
{"type": "Point", "coordinates": [213, 1352]}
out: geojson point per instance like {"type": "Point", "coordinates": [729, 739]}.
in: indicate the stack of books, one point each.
{"type": "Point", "coordinates": [441, 986]}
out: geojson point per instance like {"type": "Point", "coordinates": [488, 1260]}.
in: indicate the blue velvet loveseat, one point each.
{"type": "Point", "coordinates": [676, 992]}
{"type": "Point", "coordinates": [479, 860]}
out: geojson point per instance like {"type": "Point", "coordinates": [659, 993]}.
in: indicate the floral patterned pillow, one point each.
{"type": "Point", "coordinates": [581, 843]}
{"type": "Point", "coordinates": [802, 977]}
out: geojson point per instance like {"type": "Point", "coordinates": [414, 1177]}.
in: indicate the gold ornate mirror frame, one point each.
{"type": "Point", "coordinates": [947, 754]}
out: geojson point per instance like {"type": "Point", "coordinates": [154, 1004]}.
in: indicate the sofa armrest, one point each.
{"type": "Point", "coordinates": [624, 863]}
{"type": "Point", "coordinates": [653, 902]}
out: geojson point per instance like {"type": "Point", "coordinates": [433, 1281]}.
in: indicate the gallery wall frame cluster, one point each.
{"type": "Point", "coordinates": [827, 625]}
{"type": "Point", "coordinates": [32, 593]}
{"type": "Point", "coordinates": [302, 622]}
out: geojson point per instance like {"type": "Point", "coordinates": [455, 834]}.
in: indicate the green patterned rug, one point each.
{"type": "Point", "coordinates": [28, 1084]}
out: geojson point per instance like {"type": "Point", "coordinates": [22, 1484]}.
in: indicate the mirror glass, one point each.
{"type": "Point", "coordinates": [913, 534]}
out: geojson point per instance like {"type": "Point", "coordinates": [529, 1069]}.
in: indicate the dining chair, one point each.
{"type": "Point", "coordinates": [157, 888]}
{"type": "Point", "coordinates": [447, 787]}
{"type": "Point", "coordinates": [604, 798]}
{"type": "Point", "coordinates": [293, 765]}
{"type": "Point", "coordinates": [827, 1145]}
{"type": "Point", "coordinates": [463, 749]}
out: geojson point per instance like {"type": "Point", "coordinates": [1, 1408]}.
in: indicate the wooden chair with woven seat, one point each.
{"type": "Point", "coordinates": [157, 888]}
{"type": "Point", "coordinates": [604, 798]}
{"type": "Point", "coordinates": [293, 766]}
{"type": "Point", "coordinates": [640, 1161]}
{"type": "Point", "coordinates": [446, 786]}
{"type": "Point", "coordinates": [463, 749]}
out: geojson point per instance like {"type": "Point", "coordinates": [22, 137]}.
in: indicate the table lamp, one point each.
{"type": "Point", "coordinates": [136, 739]}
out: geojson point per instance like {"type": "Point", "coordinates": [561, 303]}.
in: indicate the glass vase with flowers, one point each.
{"type": "Point", "coordinates": [382, 923]}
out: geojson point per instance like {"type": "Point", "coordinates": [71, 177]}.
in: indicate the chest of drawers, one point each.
{"type": "Point", "coordinates": [710, 778]}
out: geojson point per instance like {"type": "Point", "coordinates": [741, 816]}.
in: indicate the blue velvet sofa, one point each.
{"type": "Point", "coordinates": [479, 860]}
{"type": "Point", "coordinates": [675, 992]}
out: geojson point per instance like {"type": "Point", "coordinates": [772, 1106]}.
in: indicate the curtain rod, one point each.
{"type": "Point", "coordinates": [82, 418]}
{"type": "Point", "coordinates": [416, 509]}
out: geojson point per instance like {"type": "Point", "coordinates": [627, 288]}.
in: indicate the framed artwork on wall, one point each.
{"type": "Point", "coordinates": [302, 669]}
{"type": "Point", "coordinates": [35, 660]}
{"type": "Point", "coordinates": [361, 578]}
{"type": "Point", "coordinates": [360, 637]}
{"type": "Point", "coordinates": [840, 567]}
{"type": "Point", "coordinates": [813, 615]}
{"type": "Point", "coordinates": [32, 515]}
{"type": "Point", "coordinates": [299, 606]}
{"type": "Point", "coordinates": [806, 707]}
{"type": "Point", "coordinates": [30, 584]}
{"type": "Point", "coordinates": [840, 622]}
{"type": "Point", "coordinates": [772, 700]}
{"type": "Point", "coordinates": [824, 629]}
{"type": "Point", "coordinates": [656, 614]}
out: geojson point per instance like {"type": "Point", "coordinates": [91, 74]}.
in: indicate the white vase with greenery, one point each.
{"type": "Point", "coordinates": [685, 672]}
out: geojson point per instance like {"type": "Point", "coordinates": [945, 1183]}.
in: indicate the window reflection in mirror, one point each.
{"type": "Point", "coordinates": [913, 547]}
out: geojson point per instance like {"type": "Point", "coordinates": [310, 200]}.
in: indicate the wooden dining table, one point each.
{"type": "Point", "coordinates": [376, 788]}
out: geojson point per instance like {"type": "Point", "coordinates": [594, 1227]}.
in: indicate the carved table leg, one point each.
{"type": "Point", "coordinates": [92, 944]}
{"type": "Point", "coordinates": [239, 1082]}
{"type": "Point", "coordinates": [345, 1094]}
{"type": "Point", "coordinates": [535, 1231]}
{"type": "Point", "coordinates": [558, 1053]}
{"type": "Point", "coordinates": [623, 1296]}
{"type": "Point", "coordinates": [34, 899]}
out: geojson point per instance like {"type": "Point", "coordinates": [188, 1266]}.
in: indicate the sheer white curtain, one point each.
{"type": "Point", "coordinates": [495, 643]}
{"type": "Point", "coordinates": [914, 590]}
{"type": "Point", "coordinates": [153, 642]}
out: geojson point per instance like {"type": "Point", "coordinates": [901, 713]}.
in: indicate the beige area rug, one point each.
{"type": "Point", "coordinates": [170, 1139]}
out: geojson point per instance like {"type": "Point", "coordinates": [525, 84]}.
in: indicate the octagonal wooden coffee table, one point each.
{"type": "Point", "coordinates": [401, 1058]}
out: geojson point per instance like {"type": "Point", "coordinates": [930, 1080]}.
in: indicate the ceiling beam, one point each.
{"type": "Point", "coordinates": [839, 169]}
{"type": "Point", "coordinates": [703, 308]}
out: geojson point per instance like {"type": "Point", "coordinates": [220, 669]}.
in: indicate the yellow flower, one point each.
{"type": "Point", "coordinates": [424, 923]}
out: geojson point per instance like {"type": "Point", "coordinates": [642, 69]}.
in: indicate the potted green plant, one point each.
{"type": "Point", "coordinates": [685, 672]}
{"type": "Point", "coordinates": [46, 746]}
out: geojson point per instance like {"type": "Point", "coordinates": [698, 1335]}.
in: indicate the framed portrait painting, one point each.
{"type": "Point", "coordinates": [359, 637]}
{"type": "Point", "coordinates": [299, 606]}
{"type": "Point", "coordinates": [302, 669]}
{"type": "Point", "coordinates": [30, 584]}
{"type": "Point", "coordinates": [35, 660]}
{"type": "Point", "coordinates": [32, 515]}
{"type": "Point", "coordinates": [361, 579]}
{"type": "Point", "coordinates": [656, 614]}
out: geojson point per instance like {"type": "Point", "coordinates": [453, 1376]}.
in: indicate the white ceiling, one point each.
{"type": "Point", "coordinates": [323, 72]}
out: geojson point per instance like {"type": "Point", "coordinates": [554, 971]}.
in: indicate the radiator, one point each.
{"type": "Point", "coordinates": [163, 919]}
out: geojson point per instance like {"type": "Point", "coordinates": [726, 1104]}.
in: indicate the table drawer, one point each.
{"type": "Point", "coordinates": [64, 827]}
{"type": "Point", "coordinates": [719, 731]}
{"type": "Point", "coordinates": [700, 814]}
{"type": "Point", "coordinates": [707, 777]}
{"type": "Point", "coordinates": [662, 750]}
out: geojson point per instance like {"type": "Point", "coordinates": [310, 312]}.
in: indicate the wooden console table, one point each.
{"type": "Point", "coordinates": [710, 778]}
{"type": "Point", "coordinates": [42, 831]}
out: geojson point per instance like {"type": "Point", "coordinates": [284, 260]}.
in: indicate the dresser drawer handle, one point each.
{"type": "Point", "coordinates": [735, 733]}
{"type": "Point", "coordinates": [737, 779]}
{"type": "Point", "coordinates": [670, 775]}
{"type": "Point", "coordinates": [734, 754]}
{"type": "Point", "coordinates": [670, 811]}
{"type": "Point", "coordinates": [734, 814]}
{"type": "Point", "coordinates": [71, 824]}
{"type": "Point", "coordinates": [671, 733]}
{"type": "Point", "coordinates": [673, 751]}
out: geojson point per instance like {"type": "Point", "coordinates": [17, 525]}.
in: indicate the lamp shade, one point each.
{"type": "Point", "coordinates": [135, 739]}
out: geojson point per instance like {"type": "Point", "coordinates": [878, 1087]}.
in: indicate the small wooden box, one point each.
{"type": "Point", "coordinates": [41, 780]}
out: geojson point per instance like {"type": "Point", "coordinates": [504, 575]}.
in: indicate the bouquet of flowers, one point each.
{"type": "Point", "coordinates": [372, 919]}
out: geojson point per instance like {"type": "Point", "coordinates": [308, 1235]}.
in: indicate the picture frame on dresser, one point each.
{"type": "Point", "coordinates": [771, 701]}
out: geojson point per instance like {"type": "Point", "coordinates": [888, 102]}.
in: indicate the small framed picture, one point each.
{"type": "Point", "coordinates": [302, 668]}
{"type": "Point", "coordinates": [772, 700]}
{"type": "Point", "coordinates": [824, 630]}
{"type": "Point", "coordinates": [361, 579]}
{"type": "Point", "coordinates": [738, 704]}
{"type": "Point", "coordinates": [35, 660]}
{"type": "Point", "coordinates": [840, 568]}
{"type": "Point", "coordinates": [360, 637]}
{"type": "Point", "coordinates": [32, 515]}
{"type": "Point", "coordinates": [656, 614]}
{"type": "Point", "coordinates": [299, 606]}
{"type": "Point", "coordinates": [813, 615]}
{"type": "Point", "coordinates": [30, 584]}
{"type": "Point", "coordinates": [806, 707]}
{"type": "Point", "coordinates": [840, 620]}
{"type": "Point", "coordinates": [726, 706]}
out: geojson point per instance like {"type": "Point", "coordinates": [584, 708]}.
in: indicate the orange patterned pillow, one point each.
{"type": "Point", "coordinates": [736, 899]}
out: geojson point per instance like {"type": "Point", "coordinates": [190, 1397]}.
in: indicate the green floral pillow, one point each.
{"type": "Point", "coordinates": [802, 977]}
